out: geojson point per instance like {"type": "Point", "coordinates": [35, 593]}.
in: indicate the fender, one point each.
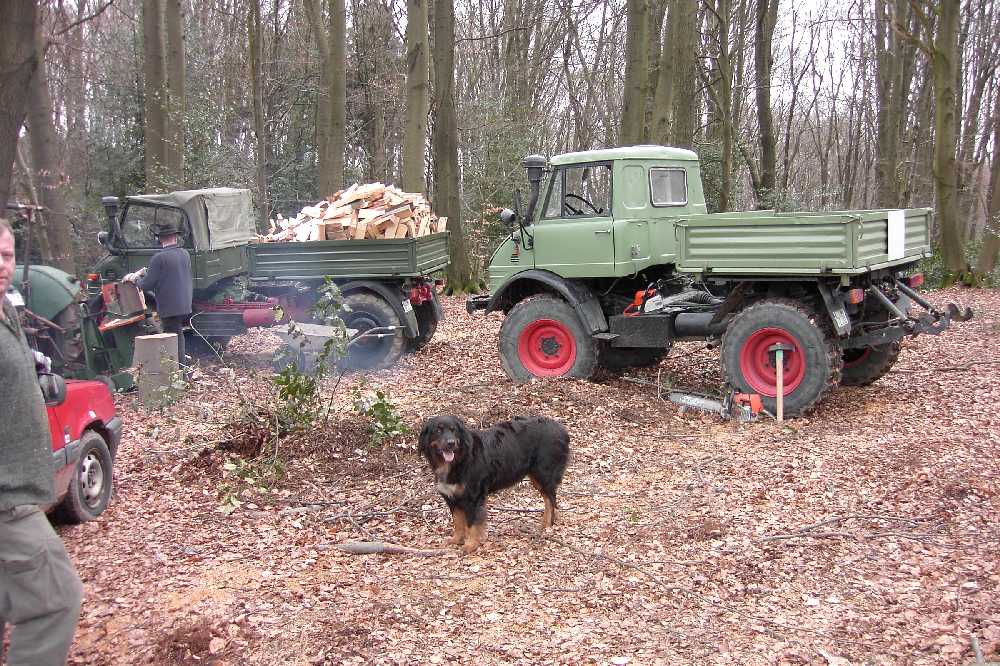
{"type": "Point", "coordinates": [393, 296]}
{"type": "Point", "coordinates": [525, 283]}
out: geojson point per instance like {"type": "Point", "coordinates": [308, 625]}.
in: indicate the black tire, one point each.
{"type": "Point", "coordinates": [368, 311]}
{"type": "Point", "coordinates": [810, 370]}
{"type": "Point", "coordinates": [616, 359]}
{"type": "Point", "coordinates": [92, 482]}
{"type": "Point", "coordinates": [427, 323]}
{"type": "Point", "coordinates": [543, 337]}
{"type": "Point", "coordinates": [864, 366]}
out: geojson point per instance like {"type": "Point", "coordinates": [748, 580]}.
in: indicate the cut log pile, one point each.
{"type": "Point", "coordinates": [371, 211]}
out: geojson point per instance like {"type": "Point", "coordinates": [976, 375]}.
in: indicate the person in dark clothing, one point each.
{"type": "Point", "coordinates": [40, 591]}
{"type": "Point", "coordinates": [169, 278]}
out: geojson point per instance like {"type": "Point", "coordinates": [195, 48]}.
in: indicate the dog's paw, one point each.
{"type": "Point", "coordinates": [470, 548]}
{"type": "Point", "coordinates": [455, 540]}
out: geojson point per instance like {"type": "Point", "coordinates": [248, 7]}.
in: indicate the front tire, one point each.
{"type": "Point", "coordinates": [543, 337]}
{"type": "Point", "coordinates": [368, 311]}
{"type": "Point", "coordinates": [90, 488]}
{"type": "Point", "coordinates": [810, 369]}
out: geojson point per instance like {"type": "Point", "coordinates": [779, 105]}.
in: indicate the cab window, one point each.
{"type": "Point", "coordinates": [668, 186]}
{"type": "Point", "coordinates": [580, 191]}
{"type": "Point", "coordinates": [137, 227]}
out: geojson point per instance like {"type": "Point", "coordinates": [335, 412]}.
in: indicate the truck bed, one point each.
{"type": "Point", "coordinates": [313, 260]}
{"type": "Point", "coordinates": [764, 242]}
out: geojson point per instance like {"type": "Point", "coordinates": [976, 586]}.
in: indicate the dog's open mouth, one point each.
{"type": "Point", "coordinates": [448, 455]}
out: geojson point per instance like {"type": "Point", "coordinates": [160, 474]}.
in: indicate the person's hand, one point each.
{"type": "Point", "coordinates": [42, 362]}
{"type": "Point", "coordinates": [134, 277]}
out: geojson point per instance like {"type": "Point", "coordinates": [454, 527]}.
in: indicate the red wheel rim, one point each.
{"type": "Point", "coordinates": [546, 348]}
{"type": "Point", "coordinates": [856, 357]}
{"type": "Point", "coordinates": [757, 363]}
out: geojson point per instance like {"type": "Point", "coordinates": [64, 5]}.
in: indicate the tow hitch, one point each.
{"type": "Point", "coordinates": [931, 322]}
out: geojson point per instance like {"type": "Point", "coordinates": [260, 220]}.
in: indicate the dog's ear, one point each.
{"type": "Point", "coordinates": [424, 441]}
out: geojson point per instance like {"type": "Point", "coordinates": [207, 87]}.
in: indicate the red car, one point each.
{"type": "Point", "coordinates": [85, 434]}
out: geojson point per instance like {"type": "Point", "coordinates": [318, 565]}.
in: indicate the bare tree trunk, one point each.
{"type": "Point", "coordinates": [684, 113]}
{"type": "Point", "coordinates": [986, 262]}
{"type": "Point", "coordinates": [173, 21]}
{"type": "Point", "coordinates": [18, 60]}
{"type": "Point", "coordinates": [46, 149]}
{"type": "Point", "coordinates": [332, 98]}
{"type": "Point", "coordinates": [663, 100]}
{"type": "Point", "coordinates": [945, 67]}
{"type": "Point", "coordinates": [255, 39]}
{"type": "Point", "coordinates": [636, 71]}
{"type": "Point", "coordinates": [447, 199]}
{"type": "Point", "coordinates": [767, 16]}
{"type": "Point", "coordinates": [415, 131]}
{"type": "Point", "coordinates": [155, 95]}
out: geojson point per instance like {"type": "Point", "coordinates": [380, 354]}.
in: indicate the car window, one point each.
{"type": "Point", "coordinates": [668, 186]}
{"type": "Point", "coordinates": [583, 191]}
{"type": "Point", "coordinates": [137, 227]}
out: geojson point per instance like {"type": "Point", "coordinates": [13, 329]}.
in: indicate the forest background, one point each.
{"type": "Point", "coordinates": [820, 105]}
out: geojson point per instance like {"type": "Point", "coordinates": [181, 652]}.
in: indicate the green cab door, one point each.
{"type": "Point", "coordinates": [574, 230]}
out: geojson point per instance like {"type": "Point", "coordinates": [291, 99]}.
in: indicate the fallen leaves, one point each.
{"type": "Point", "coordinates": [864, 533]}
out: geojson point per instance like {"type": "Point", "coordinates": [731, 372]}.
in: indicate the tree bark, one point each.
{"type": "Point", "coordinates": [986, 262]}
{"type": "Point", "coordinates": [417, 84]}
{"type": "Point", "coordinates": [684, 113]}
{"type": "Point", "coordinates": [46, 149]}
{"type": "Point", "coordinates": [255, 34]}
{"type": "Point", "coordinates": [767, 16]}
{"type": "Point", "coordinates": [332, 95]}
{"type": "Point", "coordinates": [173, 21]}
{"type": "Point", "coordinates": [944, 63]}
{"type": "Point", "coordinates": [447, 201]}
{"type": "Point", "coordinates": [663, 100]}
{"type": "Point", "coordinates": [636, 71]}
{"type": "Point", "coordinates": [156, 97]}
{"type": "Point", "coordinates": [18, 61]}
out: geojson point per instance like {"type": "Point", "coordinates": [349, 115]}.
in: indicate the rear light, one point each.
{"type": "Point", "coordinates": [914, 280]}
{"type": "Point", "coordinates": [855, 296]}
{"type": "Point", "coordinates": [93, 277]}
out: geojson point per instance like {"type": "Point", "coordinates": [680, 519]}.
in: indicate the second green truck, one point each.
{"type": "Point", "coordinates": [616, 258]}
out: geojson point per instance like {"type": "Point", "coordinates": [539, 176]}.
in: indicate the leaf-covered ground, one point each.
{"type": "Point", "coordinates": [866, 533]}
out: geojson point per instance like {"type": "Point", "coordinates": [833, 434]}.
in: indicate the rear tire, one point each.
{"type": "Point", "coordinates": [543, 337]}
{"type": "Point", "coordinates": [368, 311]}
{"type": "Point", "coordinates": [427, 323]}
{"type": "Point", "coordinates": [93, 478]}
{"type": "Point", "coordinates": [810, 370]}
{"type": "Point", "coordinates": [864, 366]}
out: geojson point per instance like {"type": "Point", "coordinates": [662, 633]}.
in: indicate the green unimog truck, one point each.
{"type": "Point", "coordinates": [616, 258]}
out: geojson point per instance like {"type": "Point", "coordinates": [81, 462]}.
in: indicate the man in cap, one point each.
{"type": "Point", "coordinates": [40, 591]}
{"type": "Point", "coordinates": [169, 278]}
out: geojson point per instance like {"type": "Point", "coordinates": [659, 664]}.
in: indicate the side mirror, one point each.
{"type": "Point", "coordinates": [53, 389]}
{"type": "Point", "coordinates": [508, 218]}
{"type": "Point", "coordinates": [104, 238]}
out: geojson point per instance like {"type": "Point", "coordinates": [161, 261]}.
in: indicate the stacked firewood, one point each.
{"type": "Point", "coordinates": [373, 211]}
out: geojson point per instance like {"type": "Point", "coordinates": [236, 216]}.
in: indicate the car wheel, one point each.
{"type": "Point", "coordinates": [427, 324]}
{"type": "Point", "coordinates": [367, 312]}
{"type": "Point", "coordinates": [543, 337]}
{"type": "Point", "coordinates": [90, 488]}
{"type": "Point", "coordinates": [810, 369]}
{"type": "Point", "coordinates": [864, 366]}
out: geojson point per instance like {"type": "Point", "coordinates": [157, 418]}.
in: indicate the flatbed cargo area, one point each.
{"type": "Point", "coordinates": [311, 260]}
{"type": "Point", "coordinates": [842, 242]}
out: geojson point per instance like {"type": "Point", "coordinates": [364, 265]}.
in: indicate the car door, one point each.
{"type": "Point", "coordinates": [60, 437]}
{"type": "Point", "coordinates": [573, 234]}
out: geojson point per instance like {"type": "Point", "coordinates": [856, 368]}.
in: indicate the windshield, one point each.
{"type": "Point", "coordinates": [137, 227]}
{"type": "Point", "coordinates": [583, 191]}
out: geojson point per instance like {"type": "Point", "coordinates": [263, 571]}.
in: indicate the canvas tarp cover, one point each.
{"type": "Point", "coordinates": [220, 217]}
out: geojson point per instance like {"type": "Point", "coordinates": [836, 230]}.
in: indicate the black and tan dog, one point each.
{"type": "Point", "coordinates": [469, 465]}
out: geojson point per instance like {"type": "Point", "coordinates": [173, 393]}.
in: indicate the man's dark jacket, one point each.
{"type": "Point", "coordinates": [25, 447]}
{"type": "Point", "coordinates": [169, 278]}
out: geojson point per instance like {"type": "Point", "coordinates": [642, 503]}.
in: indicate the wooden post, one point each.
{"type": "Point", "coordinates": [155, 357]}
